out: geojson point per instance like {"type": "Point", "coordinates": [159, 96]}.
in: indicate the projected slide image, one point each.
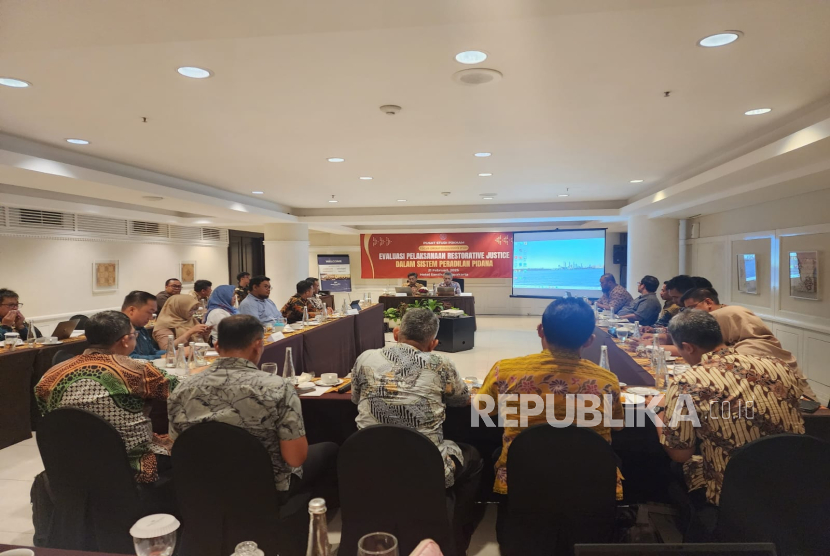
{"type": "Point", "coordinates": [567, 264]}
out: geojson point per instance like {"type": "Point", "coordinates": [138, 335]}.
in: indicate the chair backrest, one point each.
{"type": "Point", "coordinates": [224, 482]}
{"type": "Point", "coordinates": [391, 479]}
{"type": "Point", "coordinates": [81, 321]}
{"type": "Point", "coordinates": [777, 489]}
{"type": "Point", "coordinates": [422, 282]}
{"type": "Point", "coordinates": [460, 282]}
{"type": "Point", "coordinates": [60, 356]}
{"type": "Point", "coordinates": [91, 482]}
{"type": "Point", "coordinates": [561, 490]}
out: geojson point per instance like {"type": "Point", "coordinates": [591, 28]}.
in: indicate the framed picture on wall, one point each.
{"type": "Point", "coordinates": [187, 272]}
{"type": "Point", "coordinates": [747, 276]}
{"type": "Point", "coordinates": [104, 276]}
{"type": "Point", "coordinates": [804, 275]}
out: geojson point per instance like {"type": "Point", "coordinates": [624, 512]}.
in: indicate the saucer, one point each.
{"type": "Point", "coordinates": [329, 384]}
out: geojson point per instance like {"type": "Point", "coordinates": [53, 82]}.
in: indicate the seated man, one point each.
{"type": "Point", "coordinates": [233, 390]}
{"type": "Point", "coordinates": [406, 384]}
{"type": "Point", "coordinates": [744, 331]}
{"type": "Point", "coordinates": [721, 374]}
{"type": "Point", "coordinates": [293, 309]}
{"type": "Point", "coordinates": [448, 283]}
{"type": "Point", "coordinates": [412, 282]}
{"type": "Point", "coordinates": [106, 382]}
{"type": "Point", "coordinates": [315, 300]}
{"type": "Point", "coordinates": [567, 328]}
{"type": "Point", "coordinates": [614, 296]}
{"type": "Point", "coordinates": [645, 308]}
{"type": "Point", "coordinates": [201, 291]}
{"type": "Point", "coordinates": [11, 318]}
{"type": "Point", "coordinates": [670, 308]}
{"type": "Point", "coordinates": [241, 291]}
{"type": "Point", "coordinates": [257, 303]}
{"type": "Point", "coordinates": [139, 307]}
{"type": "Point", "coordinates": [173, 286]}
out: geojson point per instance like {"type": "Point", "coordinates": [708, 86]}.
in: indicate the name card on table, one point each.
{"type": "Point", "coordinates": [276, 336]}
{"type": "Point", "coordinates": [352, 312]}
{"type": "Point", "coordinates": [465, 294]}
{"type": "Point", "coordinates": [401, 294]}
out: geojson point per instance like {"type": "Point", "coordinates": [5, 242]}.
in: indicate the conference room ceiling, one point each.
{"type": "Point", "coordinates": [580, 110]}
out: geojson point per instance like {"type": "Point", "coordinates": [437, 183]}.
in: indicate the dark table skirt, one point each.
{"type": "Point", "coordinates": [15, 395]}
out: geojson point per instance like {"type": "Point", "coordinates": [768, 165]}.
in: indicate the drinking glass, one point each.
{"type": "Point", "coordinates": [11, 340]}
{"type": "Point", "coordinates": [622, 334]}
{"type": "Point", "coordinates": [201, 351]}
{"type": "Point", "coordinates": [377, 544]}
{"type": "Point", "coordinates": [270, 368]}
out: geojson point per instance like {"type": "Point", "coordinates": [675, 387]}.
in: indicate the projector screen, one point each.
{"type": "Point", "coordinates": [549, 264]}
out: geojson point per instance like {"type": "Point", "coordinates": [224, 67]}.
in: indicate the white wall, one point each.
{"type": "Point", "coordinates": [771, 231]}
{"type": "Point", "coordinates": [492, 294]}
{"type": "Point", "coordinates": [54, 276]}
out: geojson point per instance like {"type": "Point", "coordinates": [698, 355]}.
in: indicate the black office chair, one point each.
{"type": "Point", "coordinates": [392, 479]}
{"type": "Point", "coordinates": [96, 499]}
{"type": "Point", "coordinates": [561, 490]}
{"type": "Point", "coordinates": [81, 321]}
{"type": "Point", "coordinates": [777, 489]}
{"type": "Point", "coordinates": [224, 482]}
{"type": "Point", "coordinates": [422, 282]}
{"type": "Point", "coordinates": [460, 282]}
{"type": "Point", "coordinates": [60, 356]}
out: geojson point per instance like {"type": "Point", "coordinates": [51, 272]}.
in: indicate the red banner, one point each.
{"type": "Point", "coordinates": [470, 255]}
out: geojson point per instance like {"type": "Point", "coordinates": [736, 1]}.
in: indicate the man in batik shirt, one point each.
{"type": "Point", "coordinates": [106, 382]}
{"type": "Point", "coordinates": [293, 309]}
{"type": "Point", "coordinates": [614, 296]}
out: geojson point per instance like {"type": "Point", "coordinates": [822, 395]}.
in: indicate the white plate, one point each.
{"type": "Point", "coordinates": [632, 399]}
{"type": "Point", "coordinates": [305, 386]}
{"type": "Point", "coordinates": [643, 391]}
{"type": "Point", "coordinates": [623, 384]}
{"type": "Point", "coordinates": [332, 385]}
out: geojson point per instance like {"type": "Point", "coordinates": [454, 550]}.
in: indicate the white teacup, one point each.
{"type": "Point", "coordinates": [329, 378]}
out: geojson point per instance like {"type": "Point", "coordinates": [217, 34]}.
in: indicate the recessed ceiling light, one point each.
{"type": "Point", "coordinates": [757, 111]}
{"type": "Point", "coordinates": [487, 198]}
{"type": "Point", "coordinates": [14, 83]}
{"type": "Point", "coordinates": [720, 39]}
{"type": "Point", "coordinates": [482, 155]}
{"type": "Point", "coordinates": [194, 72]}
{"type": "Point", "coordinates": [332, 201]}
{"type": "Point", "coordinates": [471, 57]}
{"type": "Point", "coordinates": [257, 192]}
{"type": "Point", "coordinates": [485, 175]}
{"type": "Point", "coordinates": [563, 194]}
{"type": "Point", "coordinates": [636, 181]}
{"type": "Point", "coordinates": [365, 177]}
{"type": "Point", "coordinates": [401, 200]}
{"type": "Point", "coordinates": [336, 159]}
{"type": "Point", "coordinates": [201, 221]}
{"type": "Point", "coordinates": [78, 141]}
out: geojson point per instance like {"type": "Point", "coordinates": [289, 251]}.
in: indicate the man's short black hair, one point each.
{"type": "Point", "coordinates": [137, 299]}
{"type": "Point", "coordinates": [411, 274]}
{"type": "Point", "coordinates": [700, 294]}
{"type": "Point", "coordinates": [6, 293]}
{"type": "Point", "coordinates": [303, 286]}
{"type": "Point", "coordinates": [697, 328]}
{"type": "Point", "coordinates": [242, 275]}
{"type": "Point", "coordinates": [650, 283]}
{"type": "Point", "coordinates": [312, 279]}
{"type": "Point", "coordinates": [257, 280]}
{"type": "Point", "coordinates": [681, 283]}
{"type": "Point", "coordinates": [167, 283]}
{"type": "Point", "coordinates": [202, 285]}
{"type": "Point", "coordinates": [238, 332]}
{"type": "Point", "coordinates": [104, 329]}
{"type": "Point", "coordinates": [701, 282]}
{"type": "Point", "coordinates": [568, 322]}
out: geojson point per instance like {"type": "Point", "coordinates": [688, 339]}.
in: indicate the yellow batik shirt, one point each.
{"type": "Point", "coordinates": [556, 372]}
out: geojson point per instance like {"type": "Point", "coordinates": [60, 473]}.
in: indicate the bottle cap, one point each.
{"type": "Point", "coordinates": [317, 506]}
{"type": "Point", "coordinates": [152, 526]}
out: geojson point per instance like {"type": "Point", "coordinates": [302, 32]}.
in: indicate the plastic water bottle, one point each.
{"type": "Point", "coordinates": [637, 335]}
{"type": "Point", "coordinates": [181, 362]}
{"type": "Point", "coordinates": [288, 372]}
{"type": "Point", "coordinates": [603, 358]}
{"type": "Point", "coordinates": [305, 316]}
{"type": "Point", "coordinates": [170, 356]}
{"type": "Point", "coordinates": [318, 530]}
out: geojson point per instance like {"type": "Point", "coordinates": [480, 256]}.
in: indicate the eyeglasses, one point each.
{"type": "Point", "coordinates": [12, 305]}
{"type": "Point", "coordinates": [132, 334]}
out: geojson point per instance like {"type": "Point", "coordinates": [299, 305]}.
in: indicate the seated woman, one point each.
{"type": "Point", "coordinates": [220, 306]}
{"type": "Point", "coordinates": [177, 319]}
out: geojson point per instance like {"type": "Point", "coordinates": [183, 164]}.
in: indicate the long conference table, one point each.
{"type": "Point", "coordinates": [466, 303]}
{"type": "Point", "coordinates": [331, 347]}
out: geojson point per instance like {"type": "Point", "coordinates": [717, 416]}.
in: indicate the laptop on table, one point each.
{"type": "Point", "coordinates": [403, 289]}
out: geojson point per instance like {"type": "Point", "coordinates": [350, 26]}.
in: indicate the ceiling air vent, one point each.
{"type": "Point", "coordinates": [2, 217]}
{"type": "Point", "coordinates": [101, 225]}
{"type": "Point", "coordinates": [184, 232]}
{"type": "Point", "coordinates": [148, 229]}
{"type": "Point", "coordinates": [212, 234]}
{"type": "Point", "coordinates": [40, 219]}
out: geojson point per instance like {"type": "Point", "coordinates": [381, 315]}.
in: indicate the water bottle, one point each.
{"type": "Point", "coordinates": [318, 530]}
{"type": "Point", "coordinates": [31, 337]}
{"type": "Point", "coordinates": [636, 334]}
{"type": "Point", "coordinates": [603, 358]}
{"type": "Point", "coordinates": [369, 298]}
{"type": "Point", "coordinates": [661, 372]}
{"type": "Point", "coordinates": [305, 316]}
{"type": "Point", "coordinates": [190, 364]}
{"type": "Point", "coordinates": [655, 351]}
{"type": "Point", "coordinates": [170, 356]}
{"type": "Point", "coordinates": [288, 372]}
{"type": "Point", "coordinates": [344, 308]}
{"type": "Point", "coordinates": [247, 548]}
{"type": "Point", "coordinates": [181, 362]}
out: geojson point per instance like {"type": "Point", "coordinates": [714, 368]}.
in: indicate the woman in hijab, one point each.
{"type": "Point", "coordinates": [746, 332]}
{"type": "Point", "coordinates": [177, 319]}
{"type": "Point", "coordinates": [220, 306]}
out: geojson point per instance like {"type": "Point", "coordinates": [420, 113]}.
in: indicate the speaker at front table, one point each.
{"type": "Point", "coordinates": [620, 254]}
